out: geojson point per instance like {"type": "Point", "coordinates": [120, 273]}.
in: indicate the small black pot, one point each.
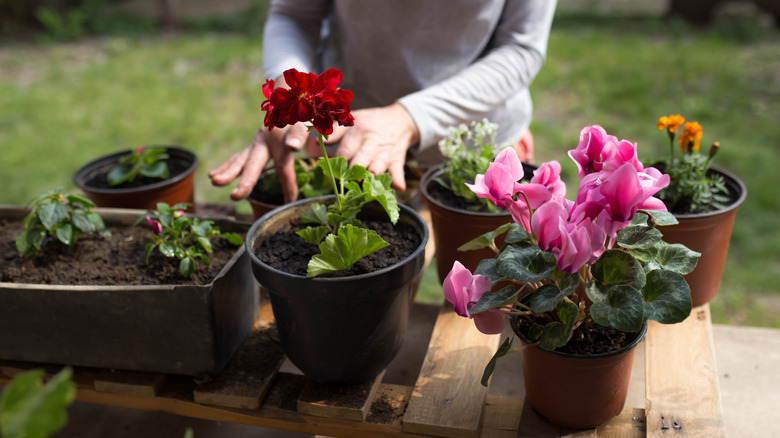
{"type": "Point", "coordinates": [338, 329]}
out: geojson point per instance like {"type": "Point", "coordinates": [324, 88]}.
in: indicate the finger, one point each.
{"type": "Point", "coordinates": [337, 134]}
{"type": "Point", "coordinates": [255, 162]}
{"type": "Point", "coordinates": [226, 172]}
{"type": "Point", "coordinates": [396, 171]}
{"type": "Point", "coordinates": [296, 136]}
{"type": "Point", "coordinates": [312, 147]}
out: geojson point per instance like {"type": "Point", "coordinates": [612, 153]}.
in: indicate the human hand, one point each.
{"type": "Point", "coordinates": [279, 144]}
{"type": "Point", "coordinates": [378, 140]}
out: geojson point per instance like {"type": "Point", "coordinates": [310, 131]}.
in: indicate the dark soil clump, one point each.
{"type": "Point", "coordinates": [595, 339]}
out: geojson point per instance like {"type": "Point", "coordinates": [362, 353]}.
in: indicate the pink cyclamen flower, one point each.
{"type": "Point", "coordinates": [549, 175]}
{"type": "Point", "coordinates": [527, 194]}
{"type": "Point", "coordinates": [499, 182]}
{"type": "Point", "coordinates": [156, 226]}
{"type": "Point", "coordinates": [625, 192]}
{"type": "Point", "coordinates": [594, 148]}
{"type": "Point", "coordinates": [574, 243]}
{"type": "Point", "coordinates": [463, 290]}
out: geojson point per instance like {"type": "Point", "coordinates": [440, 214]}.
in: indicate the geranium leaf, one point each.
{"type": "Point", "coordinates": [355, 173]}
{"type": "Point", "coordinates": [503, 350]}
{"type": "Point", "coordinates": [525, 264]}
{"type": "Point", "coordinates": [491, 300]}
{"type": "Point", "coordinates": [313, 235]}
{"type": "Point", "coordinates": [619, 267]}
{"type": "Point", "coordinates": [339, 165]}
{"type": "Point", "coordinates": [677, 258]}
{"type": "Point", "coordinates": [315, 214]}
{"type": "Point", "coordinates": [667, 296]}
{"type": "Point", "coordinates": [376, 190]}
{"type": "Point", "coordinates": [340, 251]}
{"type": "Point", "coordinates": [620, 307]}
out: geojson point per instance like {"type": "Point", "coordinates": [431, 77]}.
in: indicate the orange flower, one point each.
{"type": "Point", "coordinates": [690, 137]}
{"type": "Point", "coordinates": [671, 123]}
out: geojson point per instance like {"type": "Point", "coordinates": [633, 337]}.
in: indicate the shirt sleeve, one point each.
{"type": "Point", "coordinates": [292, 34]}
{"type": "Point", "coordinates": [518, 51]}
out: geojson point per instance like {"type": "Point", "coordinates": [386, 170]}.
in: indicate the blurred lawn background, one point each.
{"type": "Point", "coordinates": [84, 87]}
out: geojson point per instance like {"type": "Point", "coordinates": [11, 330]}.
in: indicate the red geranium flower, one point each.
{"type": "Point", "coordinates": [310, 98]}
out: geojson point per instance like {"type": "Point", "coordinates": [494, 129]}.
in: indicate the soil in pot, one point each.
{"type": "Point", "coordinates": [100, 181]}
{"type": "Point", "coordinates": [118, 260]}
{"type": "Point", "coordinates": [595, 339]}
{"type": "Point", "coordinates": [288, 252]}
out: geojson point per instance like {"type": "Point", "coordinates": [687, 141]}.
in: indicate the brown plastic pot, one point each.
{"type": "Point", "coordinates": [452, 227]}
{"type": "Point", "coordinates": [176, 189]}
{"type": "Point", "coordinates": [578, 391]}
{"type": "Point", "coordinates": [708, 233]}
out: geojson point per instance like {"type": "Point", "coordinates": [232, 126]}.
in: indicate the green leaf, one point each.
{"type": "Point", "coordinates": [148, 250]}
{"type": "Point", "coordinates": [525, 264]}
{"type": "Point", "coordinates": [315, 214]}
{"type": "Point", "coordinates": [660, 218]}
{"type": "Point", "coordinates": [29, 409]}
{"type": "Point", "coordinates": [516, 234]}
{"type": "Point", "coordinates": [377, 191]}
{"type": "Point", "coordinates": [355, 173]}
{"type": "Point", "coordinates": [487, 267]}
{"type": "Point", "coordinates": [187, 266]}
{"type": "Point", "coordinates": [339, 165]}
{"type": "Point", "coordinates": [640, 241]}
{"type": "Point", "coordinates": [313, 235]}
{"type": "Point", "coordinates": [118, 175]}
{"type": "Point", "coordinates": [29, 242]}
{"type": "Point", "coordinates": [81, 200]}
{"type": "Point", "coordinates": [233, 238]}
{"type": "Point", "coordinates": [168, 249]}
{"type": "Point", "coordinates": [493, 300]}
{"type": "Point", "coordinates": [618, 267]}
{"type": "Point", "coordinates": [667, 296]}
{"type": "Point", "coordinates": [156, 170]}
{"type": "Point", "coordinates": [557, 333]}
{"type": "Point", "coordinates": [82, 222]}
{"type": "Point", "coordinates": [486, 240]}
{"type": "Point", "coordinates": [342, 250]}
{"type": "Point", "coordinates": [204, 243]}
{"type": "Point", "coordinates": [52, 214]}
{"type": "Point", "coordinates": [504, 349]}
{"type": "Point", "coordinates": [677, 258]}
{"type": "Point", "coordinates": [546, 298]}
{"type": "Point", "coordinates": [65, 234]}
{"type": "Point", "coordinates": [620, 306]}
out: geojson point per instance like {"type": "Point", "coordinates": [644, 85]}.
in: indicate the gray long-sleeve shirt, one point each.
{"type": "Point", "coordinates": [446, 61]}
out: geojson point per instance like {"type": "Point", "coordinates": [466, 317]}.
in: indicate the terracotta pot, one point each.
{"type": "Point", "coordinates": [452, 227]}
{"type": "Point", "coordinates": [578, 391]}
{"type": "Point", "coordinates": [708, 233]}
{"type": "Point", "coordinates": [338, 329]}
{"type": "Point", "coordinates": [178, 188]}
{"type": "Point", "coordinates": [167, 328]}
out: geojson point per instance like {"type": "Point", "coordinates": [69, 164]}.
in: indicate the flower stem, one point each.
{"type": "Point", "coordinates": [330, 169]}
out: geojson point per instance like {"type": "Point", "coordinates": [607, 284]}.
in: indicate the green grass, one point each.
{"type": "Point", "coordinates": [64, 104]}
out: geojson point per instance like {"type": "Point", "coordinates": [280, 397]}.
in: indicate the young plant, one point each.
{"type": "Point", "coordinates": [61, 215]}
{"type": "Point", "coordinates": [467, 151]}
{"type": "Point", "coordinates": [309, 177]}
{"type": "Point", "coordinates": [342, 238]}
{"type": "Point", "coordinates": [597, 260]}
{"type": "Point", "coordinates": [186, 238]}
{"type": "Point", "coordinates": [148, 162]}
{"type": "Point", "coordinates": [691, 189]}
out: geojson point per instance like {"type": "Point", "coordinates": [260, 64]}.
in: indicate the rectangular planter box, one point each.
{"type": "Point", "coordinates": [177, 329]}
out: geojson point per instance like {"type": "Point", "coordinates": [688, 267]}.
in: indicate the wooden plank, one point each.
{"type": "Point", "coordinates": [683, 393]}
{"type": "Point", "coordinates": [447, 399]}
{"type": "Point", "coordinates": [129, 382]}
{"type": "Point", "coordinates": [350, 402]}
{"type": "Point", "coordinates": [246, 379]}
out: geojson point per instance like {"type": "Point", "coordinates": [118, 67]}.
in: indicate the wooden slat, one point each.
{"type": "Point", "coordinates": [350, 402]}
{"type": "Point", "coordinates": [129, 382]}
{"type": "Point", "coordinates": [447, 399]}
{"type": "Point", "coordinates": [683, 394]}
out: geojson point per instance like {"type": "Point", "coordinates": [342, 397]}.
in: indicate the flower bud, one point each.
{"type": "Point", "coordinates": [714, 149]}
{"type": "Point", "coordinates": [178, 213]}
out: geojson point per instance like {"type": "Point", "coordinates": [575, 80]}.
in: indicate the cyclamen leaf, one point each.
{"type": "Point", "coordinates": [546, 298]}
{"type": "Point", "coordinates": [557, 333]}
{"type": "Point", "coordinates": [342, 250]}
{"type": "Point", "coordinates": [484, 240]}
{"type": "Point", "coordinates": [492, 300]}
{"type": "Point", "coordinates": [677, 258]}
{"type": "Point", "coordinates": [619, 306]}
{"type": "Point", "coordinates": [525, 264]}
{"type": "Point", "coordinates": [667, 296]}
{"type": "Point", "coordinates": [503, 350]}
{"type": "Point", "coordinates": [516, 234]}
{"type": "Point", "coordinates": [618, 267]}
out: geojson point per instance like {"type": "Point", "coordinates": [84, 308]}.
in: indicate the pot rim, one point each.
{"type": "Point", "coordinates": [253, 231]}
{"type": "Point", "coordinates": [640, 335]}
{"type": "Point", "coordinates": [427, 178]}
{"type": "Point", "coordinates": [80, 176]}
{"type": "Point", "coordinates": [734, 184]}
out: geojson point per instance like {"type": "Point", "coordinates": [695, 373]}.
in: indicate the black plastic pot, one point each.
{"type": "Point", "coordinates": [342, 329]}
{"type": "Point", "coordinates": [180, 187]}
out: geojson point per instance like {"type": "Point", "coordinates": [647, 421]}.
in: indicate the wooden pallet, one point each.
{"type": "Point", "coordinates": [681, 390]}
